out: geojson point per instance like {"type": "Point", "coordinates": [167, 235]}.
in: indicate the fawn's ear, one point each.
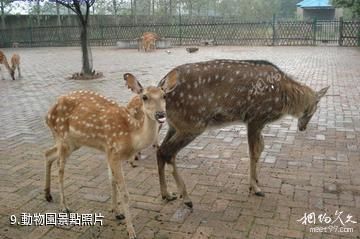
{"type": "Point", "coordinates": [321, 93]}
{"type": "Point", "coordinates": [133, 84]}
{"type": "Point", "coordinates": [169, 82]}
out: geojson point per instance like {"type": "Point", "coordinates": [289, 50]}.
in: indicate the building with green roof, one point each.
{"type": "Point", "coordinates": [318, 9]}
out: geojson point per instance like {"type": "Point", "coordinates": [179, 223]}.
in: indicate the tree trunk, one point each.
{"type": "Point", "coordinates": [86, 67]}
{"type": "Point", "coordinates": [135, 12]}
{"type": "Point", "coordinates": [3, 25]}
{"type": "Point", "coordinates": [58, 14]}
{"type": "Point", "coordinates": [38, 12]}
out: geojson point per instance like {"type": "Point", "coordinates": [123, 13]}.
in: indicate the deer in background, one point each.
{"type": "Point", "coordinates": [86, 118]}
{"type": "Point", "coordinates": [222, 92]}
{"type": "Point", "coordinates": [148, 41]}
{"type": "Point", "coordinates": [15, 64]}
{"type": "Point", "coordinates": [3, 61]}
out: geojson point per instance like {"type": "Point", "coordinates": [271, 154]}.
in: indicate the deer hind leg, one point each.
{"type": "Point", "coordinates": [64, 151]}
{"type": "Point", "coordinates": [172, 144]}
{"type": "Point", "coordinates": [50, 156]}
{"type": "Point", "coordinates": [256, 146]}
{"type": "Point", "coordinates": [114, 199]}
{"type": "Point", "coordinates": [117, 172]}
{"type": "Point", "coordinates": [19, 71]}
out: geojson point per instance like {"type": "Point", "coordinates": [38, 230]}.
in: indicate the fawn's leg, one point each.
{"type": "Point", "coordinates": [256, 146]}
{"type": "Point", "coordinates": [63, 151]}
{"type": "Point", "coordinates": [117, 171]}
{"type": "Point", "coordinates": [19, 71]}
{"type": "Point", "coordinates": [50, 156]}
{"type": "Point", "coordinates": [114, 193]}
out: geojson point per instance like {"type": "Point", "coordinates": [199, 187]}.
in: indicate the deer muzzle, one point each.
{"type": "Point", "coordinates": [160, 116]}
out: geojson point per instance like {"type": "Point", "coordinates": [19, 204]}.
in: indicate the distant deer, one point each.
{"type": "Point", "coordinates": [84, 118]}
{"type": "Point", "coordinates": [148, 41]}
{"type": "Point", "coordinates": [15, 64]}
{"type": "Point", "coordinates": [222, 92]}
{"type": "Point", "coordinates": [3, 61]}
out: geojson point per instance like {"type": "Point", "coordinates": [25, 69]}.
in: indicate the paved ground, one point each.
{"type": "Point", "coordinates": [314, 171]}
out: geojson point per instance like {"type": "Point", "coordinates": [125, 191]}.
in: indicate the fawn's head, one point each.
{"type": "Point", "coordinates": [311, 109]}
{"type": "Point", "coordinates": [153, 98]}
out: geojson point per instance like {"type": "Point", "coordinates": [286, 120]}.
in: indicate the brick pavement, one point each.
{"type": "Point", "coordinates": [315, 171]}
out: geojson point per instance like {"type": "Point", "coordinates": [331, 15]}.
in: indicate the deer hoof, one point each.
{"type": "Point", "coordinates": [133, 165]}
{"type": "Point", "coordinates": [260, 194]}
{"type": "Point", "coordinates": [170, 197]}
{"type": "Point", "coordinates": [66, 210]}
{"type": "Point", "coordinates": [120, 216]}
{"type": "Point", "coordinates": [189, 204]}
{"type": "Point", "coordinates": [48, 197]}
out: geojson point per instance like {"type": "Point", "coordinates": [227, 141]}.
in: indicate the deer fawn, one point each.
{"type": "Point", "coordinates": [221, 92]}
{"type": "Point", "coordinates": [3, 61]}
{"type": "Point", "coordinates": [84, 118]}
{"type": "Point", "coordinates": [15, 64]}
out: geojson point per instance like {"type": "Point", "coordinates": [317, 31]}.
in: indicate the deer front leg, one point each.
{"type": "Point", "coordinates": [114, 192]}
{"type": "Point", "coordinates": [180, 184]}
{"type": "Point", "coordinates": [256, 146]}
{"type": "Point", "coordinates": [172, 143]}
{"type": "Point", "coordinates": [19, 71]}
{"type": "Point", "coordinates": [117, 172]}
{"type": "Point", "coordinates": [50, 157]}
{"type": "Point", "coordinates": [163, 186]}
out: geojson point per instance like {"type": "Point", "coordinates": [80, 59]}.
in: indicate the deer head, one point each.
{"type": "Point", "coordinates": [311, 109]}
{"type": "Point", "coordinates": [153, 98]}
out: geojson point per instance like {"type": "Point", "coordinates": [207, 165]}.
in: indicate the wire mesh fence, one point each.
{"type": "Point", "coordinates": [276, 33]}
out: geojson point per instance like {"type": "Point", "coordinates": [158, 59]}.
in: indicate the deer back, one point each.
{"type": "Point", "coordinates": [219, 92]}
{"type": "Point", "coordinates": [88, 118]}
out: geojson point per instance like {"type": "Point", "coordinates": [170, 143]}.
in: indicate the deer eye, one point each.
{"type": "Point", "coordinates": [164, 96]}
{"type": "Point", "coordinates": [144, 97]}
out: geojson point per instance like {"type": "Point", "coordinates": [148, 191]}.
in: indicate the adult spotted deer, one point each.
{"type": "Point", "coordinates": [3, 61]}
{"type": "Point", "coordinates": [148, 41]}
{"type": "Point", "coordinates": [15, 64]}
{"type": "Point", "coordinates": [84, 118]}
{"type": "Point", "coordinates": [221, 92]}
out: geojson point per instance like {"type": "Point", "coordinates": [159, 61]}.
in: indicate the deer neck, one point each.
{"type": "Point", "coordinates": [146, 132]}
{"type": "Point", "coordinates": [297, 98]}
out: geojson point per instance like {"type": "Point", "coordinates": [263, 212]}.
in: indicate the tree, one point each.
{"type": "Point", "coordinates": [354, 5]}
{"type": "Point", "coordinates": [3, 5]}
{"type": "Point", "coordinates": [78, 6]}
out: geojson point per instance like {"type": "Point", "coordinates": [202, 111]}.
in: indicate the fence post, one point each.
{"type": "Point", "coordinates": [274, 30]}
{"type": "Point", "coordinates": [341, 28]}
{"type": "Point", "coordinates": [314, 31]}
{"type": "Point", "coordinates": [102, 34]}
{"type": "Point", "coordinates": [31, 33]}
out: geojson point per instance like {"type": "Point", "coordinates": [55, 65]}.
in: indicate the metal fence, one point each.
{"type": "Point", "coordinates": [276, 33]}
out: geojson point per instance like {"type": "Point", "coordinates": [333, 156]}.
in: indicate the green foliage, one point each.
{"type": "Point", "coordinates": [353, 5]}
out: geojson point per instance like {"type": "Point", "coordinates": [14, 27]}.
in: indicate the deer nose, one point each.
{"type": "Point", "coordinates": [160, 116]}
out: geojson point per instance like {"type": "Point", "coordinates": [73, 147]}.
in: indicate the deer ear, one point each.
{"type": "Point", "coordinates": [133, 84]}
{"type": "Point", "coordinates": [321, 93]}
{"type": "Point", "coordinates": [169, 82]}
